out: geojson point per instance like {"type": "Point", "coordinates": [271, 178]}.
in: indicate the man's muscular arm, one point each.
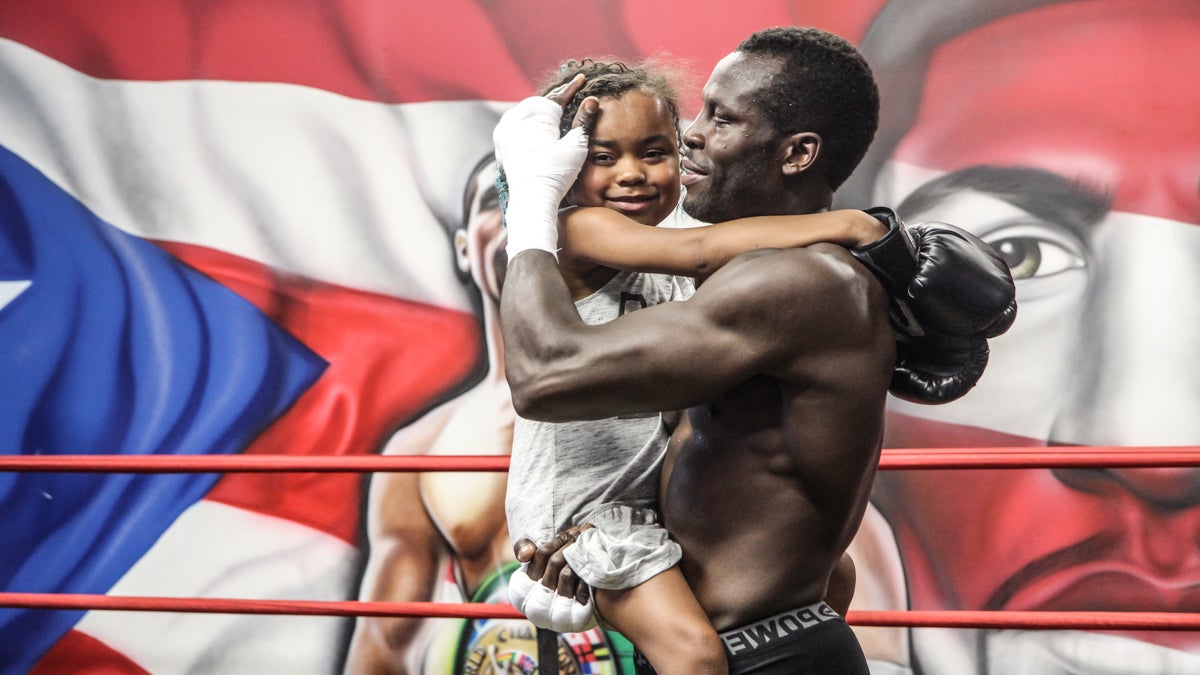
{"type": "Point", "coordinates": [756, 315]}
{"type": "Point", "coordinates": [406, 554]}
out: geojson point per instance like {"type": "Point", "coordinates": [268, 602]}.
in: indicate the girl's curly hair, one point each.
{"type": "Point", "coordinates": [611, 79]}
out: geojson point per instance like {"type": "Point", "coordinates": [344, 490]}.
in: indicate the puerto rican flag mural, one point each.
{"type": "Point", "coordinates": [241, 227]}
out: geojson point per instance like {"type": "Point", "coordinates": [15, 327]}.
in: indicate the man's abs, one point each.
{"type": "Point", "coordinates": [732, 498]}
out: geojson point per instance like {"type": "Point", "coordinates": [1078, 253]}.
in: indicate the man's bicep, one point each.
{"type": "Point", "coordinates": [664, 357]}
{"type": "Point", "coordinates": [685, 353]}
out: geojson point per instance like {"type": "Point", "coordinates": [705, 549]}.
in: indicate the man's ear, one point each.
{"type": "Point", "coordinates": [460, 251]}
{"type": "Point", "coordinates": [799, 152]}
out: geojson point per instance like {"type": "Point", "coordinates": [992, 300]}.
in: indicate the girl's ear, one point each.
{"type": "Point", "coordinates": [799, 152]}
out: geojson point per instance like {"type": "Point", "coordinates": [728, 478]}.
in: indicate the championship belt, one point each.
{"type": "Point", "coordinates": [509, 646]}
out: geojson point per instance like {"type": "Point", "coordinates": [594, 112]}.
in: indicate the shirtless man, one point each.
{"type": "Point", "coordinates": [782, 359]}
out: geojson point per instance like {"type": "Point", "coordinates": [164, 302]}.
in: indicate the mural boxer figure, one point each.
{"type": "Point", "coordinates": [783, 357]}
{"type": "Point", "coordinates": [418, 523]}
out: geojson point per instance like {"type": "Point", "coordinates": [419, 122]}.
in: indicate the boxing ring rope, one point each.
{"type": "Point", "coordinates": [1049, 620]}
{"type": "Point", "coordinates": [891, 459]}
{"type": "Point", "coordinates": [1078, 457]}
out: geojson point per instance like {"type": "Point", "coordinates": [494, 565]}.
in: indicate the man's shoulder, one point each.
{"type": "Point", "coordinates": [802, 287]}
{"type": "Point", "coordinates": [820, 267]}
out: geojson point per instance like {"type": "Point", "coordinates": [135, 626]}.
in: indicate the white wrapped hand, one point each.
{"type": "Point", "coordinates": [540, 167]}
{"type": "Point", "coordinates": [546, 609]}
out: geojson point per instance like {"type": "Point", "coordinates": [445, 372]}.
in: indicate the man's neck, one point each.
{"type": "Point", "coordinates": [803, 201]}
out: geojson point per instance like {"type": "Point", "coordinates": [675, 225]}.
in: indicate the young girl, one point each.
{"type": "Point", "coordinates": [604, 473]}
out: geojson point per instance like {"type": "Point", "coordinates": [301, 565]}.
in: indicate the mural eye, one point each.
{"type": "Point", "coordinates": [1030, 256]}
{"type": "Point", "coordinates": [1022, 254]}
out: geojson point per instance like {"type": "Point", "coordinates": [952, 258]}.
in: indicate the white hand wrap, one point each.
{"type": "Point", "coordinates": [540, 167]}
{"type": "Point", "coordinates": [547, 609]}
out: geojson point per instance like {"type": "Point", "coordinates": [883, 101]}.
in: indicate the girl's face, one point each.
{"type": "Point", "coordinates": [633, 159]}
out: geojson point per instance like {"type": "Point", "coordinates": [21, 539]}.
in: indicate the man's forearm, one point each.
{"type": "Point", "coordinates": [540, 325]}
{"type": "Point", "coordinates": [560, 369]}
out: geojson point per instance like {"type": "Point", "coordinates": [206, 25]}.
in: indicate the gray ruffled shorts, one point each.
{"type": "Point", "coordinates": [626, 547]}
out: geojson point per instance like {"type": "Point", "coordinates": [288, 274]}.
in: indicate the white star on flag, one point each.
{"type": "Point", "coordinates": [9, 290]}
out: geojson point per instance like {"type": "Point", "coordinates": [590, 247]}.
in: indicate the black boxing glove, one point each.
{"type": "Point", "coordinates": [937, 368]}
{"type": "Point", "coordinates": [941, 279]}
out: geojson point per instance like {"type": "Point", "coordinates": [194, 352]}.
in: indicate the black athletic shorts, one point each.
{"type": "Point", "coordinates": [812, 640]}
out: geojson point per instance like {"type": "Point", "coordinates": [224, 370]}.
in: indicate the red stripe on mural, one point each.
{"type": "Point", "coordinates": [386, 51]}
{"type": "Point", "coordinates": [389, 359]}
{"type": "Point", "coordinates": [393, 51]}
{"type": "Point", "coordinates": [1103, 92]}
{"type": "Point", "coordinates": [81, 653]}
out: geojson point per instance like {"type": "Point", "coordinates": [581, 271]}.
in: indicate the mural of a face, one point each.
{"type": "Point", "coordinates": [1091, 130]}
{"type": "Point", "coordinates": [479, 245]}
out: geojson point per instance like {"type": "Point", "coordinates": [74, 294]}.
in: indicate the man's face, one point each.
{"type": "Point", "coordinates": [1104, 95]}
{"type": "Point", "coordinates": [728, 167]}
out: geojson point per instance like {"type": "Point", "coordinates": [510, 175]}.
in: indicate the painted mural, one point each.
{"type": "Point", "coordinates": [270, 228]}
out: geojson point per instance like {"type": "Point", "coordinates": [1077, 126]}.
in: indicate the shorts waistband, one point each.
{"type": "Point", "coordinates": [772, 630]}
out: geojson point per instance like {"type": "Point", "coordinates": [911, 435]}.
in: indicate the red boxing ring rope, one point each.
{"type": "Point", "coordinates": [891, 459]}
{"type": "Point", "coordinates": [1168, 621]}
{"type": "Point", "coordinates": [433, 610]}
{"type": "Point", "coordinates": [250, 463]}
